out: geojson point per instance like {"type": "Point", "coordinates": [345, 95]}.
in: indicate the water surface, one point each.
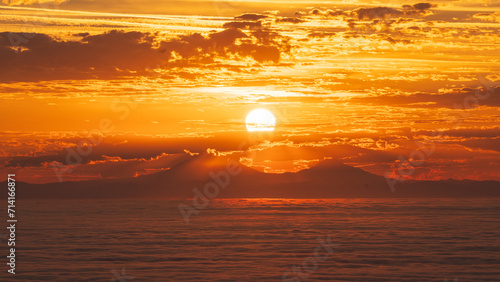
{"type": "Point", "coordinates": [258, 240]}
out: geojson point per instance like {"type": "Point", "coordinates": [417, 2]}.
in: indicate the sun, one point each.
{"type": "Point", "coordinates": [260, 120]}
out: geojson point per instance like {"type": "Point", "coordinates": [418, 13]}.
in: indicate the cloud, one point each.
{"type": "Point", "coordinates": [124, 155]}
{"type": "Point", "coordinates": [489, 17]}
{"type": "Point", "coordinates": [492, 132]}
{"type": "Point", "coordinates": [251, 17]}
{"type": "Point", "coordinates": [420, 6]}
{"type": "Point", "coordinates": [243, 25]}
{"type": "Point", "coordinates": [377, 12]}
{"type": "Point", "coordinates": [289, 20]}
{"type": "Point", "coordinates": [363, 22]}
{"type": "Point", "coordinates": [325, 13]}
{"type": "Point", "coordinates": [118, 167]}
{"type": "Point", "coordinates": [420, 9]}
{"type": "Point", "coordinates": [32, 2]}
{"type": "Point", "coordinates": [459, 98]}
{"type": "Point", "coordinates": [321, 34]}
{"type": "Point", "coordinates": [118, 53]}
{"type": "Point", "coordinates": [370, 13]}
{"type": "Point", "coordinates": [392, 40]}
{"type": "Point", "coordinates": [34, 150]}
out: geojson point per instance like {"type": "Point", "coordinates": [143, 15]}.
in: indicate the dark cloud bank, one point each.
{"type": "Point", "coordinates": [120, 53]}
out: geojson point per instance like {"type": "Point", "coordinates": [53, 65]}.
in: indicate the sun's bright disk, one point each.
{"type": "Point", "coordinates": [260, 120]}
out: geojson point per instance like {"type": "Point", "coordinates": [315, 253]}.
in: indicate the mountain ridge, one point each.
{"type": "Point", "coordinates": [328, 179]}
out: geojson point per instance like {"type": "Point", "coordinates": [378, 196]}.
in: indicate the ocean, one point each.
{"type": "Point", "coordinates": [257, 240]}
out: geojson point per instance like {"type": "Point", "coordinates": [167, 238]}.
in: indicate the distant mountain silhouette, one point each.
{"type": "Point", "coordinates": [328, 179]}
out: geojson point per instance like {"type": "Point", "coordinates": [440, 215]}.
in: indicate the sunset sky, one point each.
{"type": "Point", "coordinates": [357, 81]}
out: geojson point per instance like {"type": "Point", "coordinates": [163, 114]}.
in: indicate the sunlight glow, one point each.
{"type": "Point", "coordinates": [260, 120]}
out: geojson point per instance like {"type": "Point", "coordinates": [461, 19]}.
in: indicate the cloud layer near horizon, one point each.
{"type": "Point", "coordinates": [131, 155]}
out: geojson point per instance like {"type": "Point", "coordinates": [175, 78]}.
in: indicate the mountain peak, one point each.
{"type": "Point", "coordinates": [332, 164]}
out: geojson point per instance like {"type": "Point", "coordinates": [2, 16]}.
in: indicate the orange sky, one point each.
{"type": "Point", "coordinates": [154, 82]}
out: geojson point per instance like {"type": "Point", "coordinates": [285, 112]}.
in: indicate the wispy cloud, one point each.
{"type": "Point", "coordinates": [32, 2]}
